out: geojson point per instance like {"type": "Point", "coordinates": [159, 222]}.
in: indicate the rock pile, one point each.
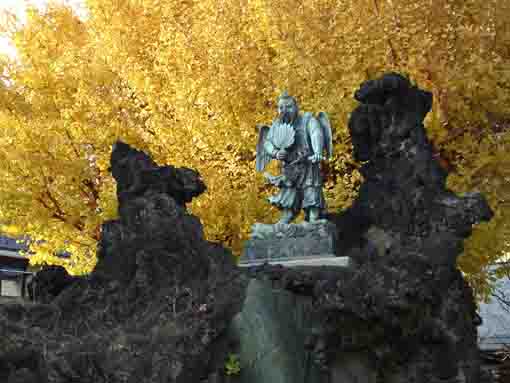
{"type": "Point", "coordinates": [153, 310]}
{"type": "Point", "coordinates": [402, 312]}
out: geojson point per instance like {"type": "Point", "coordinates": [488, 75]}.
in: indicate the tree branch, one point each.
{"type": "Point", "coordinates": [390, 44]}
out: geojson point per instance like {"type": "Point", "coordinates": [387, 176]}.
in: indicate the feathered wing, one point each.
{"type": "Point", "coordinates": [323, 119]}
{"type": "Point", "coordinates": [263, 158]}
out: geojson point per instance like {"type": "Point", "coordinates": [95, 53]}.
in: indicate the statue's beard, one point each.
{"type": "Point", "coordinates": [287, 118]}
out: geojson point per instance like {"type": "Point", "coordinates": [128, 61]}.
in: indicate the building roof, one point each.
{"type": "Point", "coordinates": [12, 272]}
{"type": "Point", "coordinates": [7, 243]}
{"type": "Point", "coordinates": [9, 247]}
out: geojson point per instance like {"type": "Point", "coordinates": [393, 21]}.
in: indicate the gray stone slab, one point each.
{"type": "Point", "coordinates": [316, 261]}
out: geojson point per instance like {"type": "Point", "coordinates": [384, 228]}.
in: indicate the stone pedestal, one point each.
{"type": "Point", "coordinates": [272, 329]}
{"type": "Point", "coordinates": [273, 325]}
{"type": "Point", "coordinates": [301, 244]}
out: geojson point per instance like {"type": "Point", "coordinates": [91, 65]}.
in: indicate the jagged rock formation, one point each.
{"type": "Point", "coordinates": [153, 310]}
{"type": "Point", "coordinates": [48, 283]}
{"type": "Point", "coordinates": [402, 312]}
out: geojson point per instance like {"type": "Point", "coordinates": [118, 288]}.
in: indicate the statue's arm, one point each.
{"type": "Point", "coordinates": [316, 136]}
{"type": "Point", "coordinates": [270, 148]}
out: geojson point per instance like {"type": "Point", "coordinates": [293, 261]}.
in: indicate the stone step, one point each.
{"type": "Point", "coordinates": [329, 260]}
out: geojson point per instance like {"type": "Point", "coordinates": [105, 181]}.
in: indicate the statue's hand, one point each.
{"type": "Point", "coordinates": [314, 158]}
{"type": "Point", "coordinates": [281, 155]}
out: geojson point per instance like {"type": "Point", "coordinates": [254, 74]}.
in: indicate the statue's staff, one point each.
{"type": "Point", "coordinates": [312, 159]}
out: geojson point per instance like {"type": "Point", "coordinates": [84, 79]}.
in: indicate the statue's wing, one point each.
{"type": "Point", "coordinates": [323, 119]}
{"type": "Point", "coordinates": [263, 158]}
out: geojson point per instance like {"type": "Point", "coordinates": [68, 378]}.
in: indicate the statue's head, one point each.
{"type": "Point", "coordinates": [287, 108]}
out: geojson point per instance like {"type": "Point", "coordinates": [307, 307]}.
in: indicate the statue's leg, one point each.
{"type": "Point", "coordinates": [314, 214]}
{"type": "Point", "coordinates": [313, 203]}
{"type": "Point", "coordinates": [285, 200]}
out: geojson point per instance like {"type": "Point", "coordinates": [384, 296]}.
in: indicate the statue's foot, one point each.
{"type": "Point", "coordinates": [287, 217]}
{"type": "Point", "coordinates": [284, 221]}
{"type": "Point", "coordinates": [313, 215]}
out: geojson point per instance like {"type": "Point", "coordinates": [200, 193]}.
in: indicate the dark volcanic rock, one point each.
{"type": "Point", "coordinates": [48, 283]}
{"type": "Point", "coordinates": [402, 312]}
{"type": "Point", "coordinates": [155, 308]}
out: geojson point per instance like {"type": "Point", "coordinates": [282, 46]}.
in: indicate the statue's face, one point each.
{"type": "Point", "coordinates": [287, 111]}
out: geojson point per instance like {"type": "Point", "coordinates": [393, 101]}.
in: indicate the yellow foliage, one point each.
{"type": "Point", "coordinates": [189, 80]}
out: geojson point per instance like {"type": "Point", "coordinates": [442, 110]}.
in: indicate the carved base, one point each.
{"type": "Point", "coordinates": [302, 244]}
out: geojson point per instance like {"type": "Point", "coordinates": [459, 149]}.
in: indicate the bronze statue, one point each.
{"type": "Point", "coordinates": [299, 142]}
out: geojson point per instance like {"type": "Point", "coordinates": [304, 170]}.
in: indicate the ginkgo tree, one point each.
{"type": "Point", "coordinates": [189, 80]}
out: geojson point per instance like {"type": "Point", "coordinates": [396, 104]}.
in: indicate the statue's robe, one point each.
{"type": "Point", "coordinates": [300, 183]}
